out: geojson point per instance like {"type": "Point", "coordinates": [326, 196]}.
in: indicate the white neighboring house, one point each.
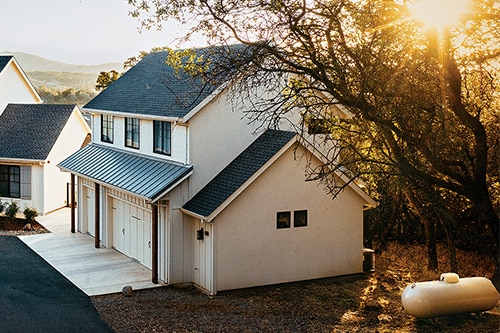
{"type": "Point", "coordinates": [15, 87]}
{"type": "Point", "coordinates": [181, 183]}
{"type": "Point", "coordinates": [34, 138]}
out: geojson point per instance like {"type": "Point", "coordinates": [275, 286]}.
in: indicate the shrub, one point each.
{"type": "Point", "coordinates": [2, 206]}
{"type": "Point", "coordinates": [12, 210]}
{"type": "Point", "coordinates": [30, 214]}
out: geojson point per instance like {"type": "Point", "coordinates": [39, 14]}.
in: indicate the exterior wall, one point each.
{"type": "Point", "coordinates": [222, 130]}
{"type": "Point", "coordinates": [71, 138]}
{"type": "Point", "coordinates": [180, 236]}
{"type": "Point", "coordinates": [14, 88]}
{"type": "Point", "coordinates": [37, 197]}
{"type": "Point", "coordinates": [251, 251]}
{"type": "Point", "coordinates": [178, 145]}
{"type": "Point", "coordinates": [217, 134]}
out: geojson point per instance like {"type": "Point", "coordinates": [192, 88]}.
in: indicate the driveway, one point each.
{"type": "Point", "coordinates": [34, 297]}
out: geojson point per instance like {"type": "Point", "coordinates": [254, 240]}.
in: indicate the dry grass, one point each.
{"type": "Point", "coordinates": [362, 303]}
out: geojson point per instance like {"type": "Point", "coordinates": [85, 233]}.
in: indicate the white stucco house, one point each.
{"type": "Point", "coordinates": [15, 87]}
{"type": "Point", "coordinates": [178, 180]}
{"type": "Point", "coordinates": [34, 138]}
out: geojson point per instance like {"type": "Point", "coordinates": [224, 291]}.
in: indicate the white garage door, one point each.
{"type": "Point", "coordinates": [132, 231]}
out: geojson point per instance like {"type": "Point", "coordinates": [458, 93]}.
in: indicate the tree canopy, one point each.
{"type": "Point", "coordinates": [423, 101]}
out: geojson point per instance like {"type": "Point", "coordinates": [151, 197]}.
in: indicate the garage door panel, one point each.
{"type": "Point", "coordinates": [132, 231]}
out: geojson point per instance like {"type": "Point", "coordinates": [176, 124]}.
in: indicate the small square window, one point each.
{"type": "Point", "coordinates": [300, 218]}
{"type": "Point", "coordinates": [283, 220]}
{"type": "Point", "coordinates": [317, 126]}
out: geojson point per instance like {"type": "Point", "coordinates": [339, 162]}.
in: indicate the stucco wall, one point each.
{"type": "Point", "coordinates": [69, 141]}
{"type": "Point", "coordinates": [14, 88]}
{"type": "Point", "coordinates": [251, 251]}
{"type": "Point", "coordinates": [217, 135]}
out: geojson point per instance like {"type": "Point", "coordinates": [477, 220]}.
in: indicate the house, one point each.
{"type": "Point", "coordinates": [34, 138]}
{"type": "Point", "coordinates": [15, 87]}
{"type": "Point", "coordinates": [179, 181]}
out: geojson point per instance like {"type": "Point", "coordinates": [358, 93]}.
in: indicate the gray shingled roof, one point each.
{"type": "Point", "coordinates": [138, 174]}
{"type": "Point", "coordinates": [4, 59]}
{"type": "Point", "coordinates": [29, 131]}
{"type": "Point", "coordinates": [208, 199]}
{"type": "Point", "coordinates": [153, 88]}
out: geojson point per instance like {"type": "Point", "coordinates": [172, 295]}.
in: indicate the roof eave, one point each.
{"type": "Point", "coordinates": [25, 77]}
{"type": "Point", "coordinates": [212, 96]}
{"type": "Point", "coordinates": [128, 114]}
{"type": "Point", "coordinates": [22, 160]}
{"type": "Point", "coordinates": [193, 214]}
{"type": "Point", "coordinates": [251, 179]}
{"type": "Point", "coordinates": [171, 187]}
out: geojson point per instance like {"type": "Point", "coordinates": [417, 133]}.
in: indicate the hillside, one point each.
{"type": "Point", "coordinates": [33, 63]}
{"type": "Point", "coordinates": [59, 82]}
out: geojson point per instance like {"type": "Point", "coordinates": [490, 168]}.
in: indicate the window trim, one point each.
{"type": "Point", "coordinates": [281, 223]}
{"type": "Point", "coordinates": [8, 182]}
{"type": "Point", "coordinates": [295, 218]}
{"type": "Point", "coordinates": [159, 147]}
{"type": "Point", "coordinates": [132, 132]}
{"type": "Point", "coordinates": [107, 132]}
{"type": "Point", "coordinates": [287, 220]}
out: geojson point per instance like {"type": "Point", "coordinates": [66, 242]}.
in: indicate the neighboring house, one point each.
{"type": "Point", "coordinates": [34, 138]}
{"type": "Point", "coordinates": [179, 181]}
{"type": "Point", "coordinates": [15, 87]}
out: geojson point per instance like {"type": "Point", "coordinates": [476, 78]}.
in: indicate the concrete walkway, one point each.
{"type": "Point", "coordinates": [94, 271]}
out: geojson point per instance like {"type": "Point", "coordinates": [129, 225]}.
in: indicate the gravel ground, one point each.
{"type": "Point", "coordinates": [361, 303]}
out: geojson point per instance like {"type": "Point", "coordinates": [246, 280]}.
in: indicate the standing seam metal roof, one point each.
{"type": "Point", "coordinates": [138, 174]}
{"type": "Point", "coordinates": [222, 186]}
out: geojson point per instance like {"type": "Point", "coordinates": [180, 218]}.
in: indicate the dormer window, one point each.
{"type": "Point", "coordinates": [162, 137]}
{"type": "Point", "coordinates": [107, 128]}
{"type": "Point", "coordinates": [132, 126]}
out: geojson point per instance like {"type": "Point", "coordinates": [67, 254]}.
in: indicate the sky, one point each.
{"type": "Point", "coordinates": [82, 32]}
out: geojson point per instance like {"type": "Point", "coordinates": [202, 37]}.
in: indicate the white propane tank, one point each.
{"type": "Point", "coordinates": [449, 295]}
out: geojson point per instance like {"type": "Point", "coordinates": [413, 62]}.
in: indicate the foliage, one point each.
{"type": "Point", "coordinates": [406, 106]}
{"type": "Point", "coordinates": [105, 79]}
{"type": "Point", "coordinates": [11, 210]}
{"type": "Point", "coordinates": [65, 96]}
{"type": "Point", "coordinates": [2, 206]}
{"type": "Point", "coordinates": [30, 214]}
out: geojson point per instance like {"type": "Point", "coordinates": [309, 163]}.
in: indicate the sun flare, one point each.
{"type": "Point", "coordinates": [438, 14]}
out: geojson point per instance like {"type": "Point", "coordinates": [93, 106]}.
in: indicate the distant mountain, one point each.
{"type": "Point", "coordinates": [33, 63]}
{"type": "Point", "coordinates": [58, 82]}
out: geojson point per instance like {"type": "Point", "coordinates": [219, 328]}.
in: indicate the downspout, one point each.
{"type": "Point", "coordinates": [73, 203]}
{"type": "Point", "coordinates": [97, 214]}
{"type": "Point", "coordinates": [154, 244]}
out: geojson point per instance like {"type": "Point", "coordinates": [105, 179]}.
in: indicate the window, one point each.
{"type": "Point", "coordinates": [300, 218]}
{"type": "Point", "coordinates": [10, 181]}
{"type": "Point", "coordinates": [283, 220]}
{"type": "Point", "coordinates": [162, 137]}
{"type": "Point", "coordinates": [107, 128]}
{"type": "Point", "coordinates": [132, 132]}
{"type": "Point", "coordinates": [317, 126]}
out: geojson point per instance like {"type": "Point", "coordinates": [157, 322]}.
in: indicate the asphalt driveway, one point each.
{"type": "Point", "coordinates": [34, 297]}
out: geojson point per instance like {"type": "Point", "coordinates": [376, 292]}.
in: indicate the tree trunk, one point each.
{"type": "Point", "coordinates": [432, 257]}
{"type": "Point", "coordinates": [430, 232]}
{"type": "Point", "coordinates": [452, 250]}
